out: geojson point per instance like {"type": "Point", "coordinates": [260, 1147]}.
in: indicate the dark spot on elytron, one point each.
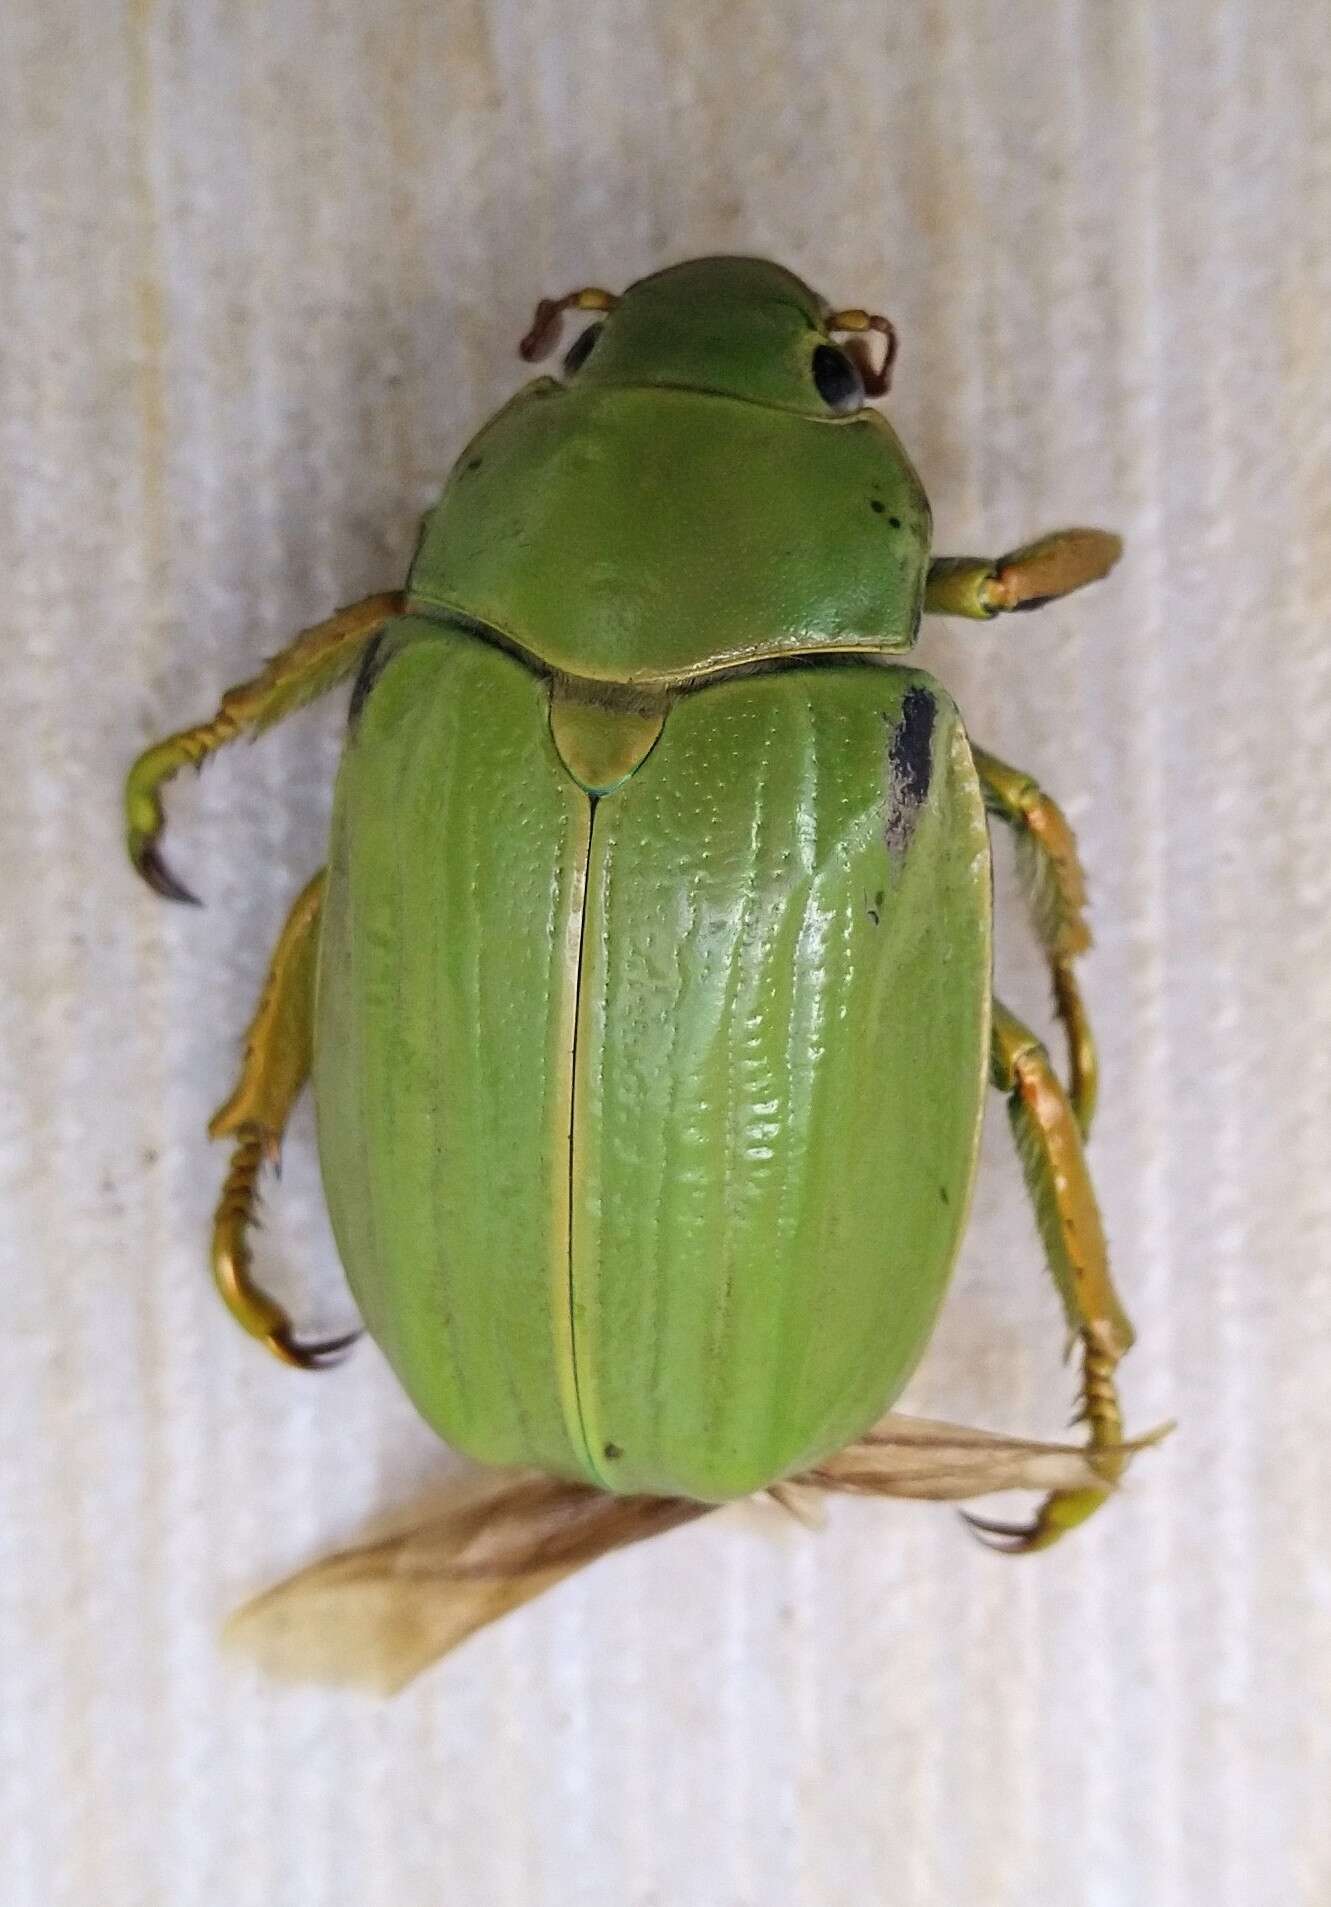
{"type": "Point", "coordinates": [613, 1452]}
{"type": "Point", "coordinates": [474, 463]}
{"type": "Point", "coordinates": [909, 768]}
{"type": "Point", "coordinates": [942, 1193]}
{"type": "Point", "coordinates": [895, 521]}
{"type": "Point", "coordinates": [367, 675]}
{"type": "Point", "coordinates": [876, 503]}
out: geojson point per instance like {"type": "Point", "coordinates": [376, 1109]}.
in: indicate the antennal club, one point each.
{"type": "Point", "coordinates": [545, 326]}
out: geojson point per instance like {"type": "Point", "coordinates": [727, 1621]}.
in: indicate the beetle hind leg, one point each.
{"type": "Point", "coordinates": [278, 1050]}
{"type": "Point", "coordinates": [1054, 1166]}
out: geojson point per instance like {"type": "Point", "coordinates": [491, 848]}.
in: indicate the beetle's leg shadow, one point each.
{"type": "Point", "coordinates": [1054, 1166]}
{"type": "Point", "coordinates": [274, 1072]}
{"type": "Point", "coordinates": [1056, 895]}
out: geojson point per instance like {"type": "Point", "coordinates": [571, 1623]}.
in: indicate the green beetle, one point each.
{"type": "Point", "coordinates": [646, 994]}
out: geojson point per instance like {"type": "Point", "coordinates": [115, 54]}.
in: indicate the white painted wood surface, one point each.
{"type": "Point", "coordinates": [263, 268]}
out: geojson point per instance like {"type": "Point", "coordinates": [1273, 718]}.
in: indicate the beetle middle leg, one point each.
{"type": "Point", "coordinates": [1056, 892]}
{"type": "Point", "coordinates": [278, 1051]}
{"type": "Point", "coordinates": [982, 587]}
{"type": "Point", "coordinates": [318, 659]}
{"type": "Point", "coordinates": [1054, 1166]}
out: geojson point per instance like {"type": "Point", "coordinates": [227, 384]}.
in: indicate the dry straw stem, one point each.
{"type": "Point", "coordinates": [377, 1617]}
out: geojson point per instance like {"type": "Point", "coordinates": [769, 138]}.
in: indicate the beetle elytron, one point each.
{"type": "Point", "coordinates": [646, 993]}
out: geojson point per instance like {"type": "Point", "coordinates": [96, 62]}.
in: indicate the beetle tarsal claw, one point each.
{"type": "Point", "coordinates": [148, 861]}
{"type": "Point", "coordinates": [236, 1217]}
{"type": "Point", "coordinates": [1058, 1514]}
{"type": "Point", "coordinates": [1009, 1539]}
{"type": "Point", "coordinates": [320, 1355]}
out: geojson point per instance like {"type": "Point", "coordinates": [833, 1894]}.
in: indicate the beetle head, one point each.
{"type": "Point", "coordinates": [734, 327]}
{"type": "Point", "coordinates": [708, 488]}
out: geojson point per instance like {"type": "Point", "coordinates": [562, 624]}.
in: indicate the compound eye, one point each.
{"type": "Point", "coordinates": [581, 349]}
{"type": "Point", "coordinates": [838, 379]}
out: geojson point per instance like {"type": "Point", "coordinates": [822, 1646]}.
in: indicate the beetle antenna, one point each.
{"type": "Point", "coordinates": [877, 380]}
{"type": "Point", "coordinates": [545, 326]}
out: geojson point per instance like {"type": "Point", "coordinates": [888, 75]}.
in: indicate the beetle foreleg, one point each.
{"type": "Point", "coordinates": [316, 661]}
{"type": "Point", "coordinates": [983, 586]}
{"type": "Point", "coordinates": [1054, 1167]}
{"type": "Point", "coordinates": [278, 1050]}
{"type": "Point", "coordinates": [1056, 891]}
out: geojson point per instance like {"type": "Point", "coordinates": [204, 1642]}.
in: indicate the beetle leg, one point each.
{"type": "Point", "coordinates": [982, 587]}
{"type": "Point", "coordinates": [275, 1069]}
{"type": "Point", "coordinates": [1056, 891]}
{"type": "Point", "coordinates": [317, 660]}
{"type": "Point", "coordinates": [1054, 1167]}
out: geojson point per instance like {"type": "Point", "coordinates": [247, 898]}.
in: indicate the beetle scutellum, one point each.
{"type": "Point", "coordinates": [646, 993]}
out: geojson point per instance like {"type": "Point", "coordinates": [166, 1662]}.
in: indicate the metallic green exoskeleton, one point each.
{"type": "Point", "coordinates": [647, 990]}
